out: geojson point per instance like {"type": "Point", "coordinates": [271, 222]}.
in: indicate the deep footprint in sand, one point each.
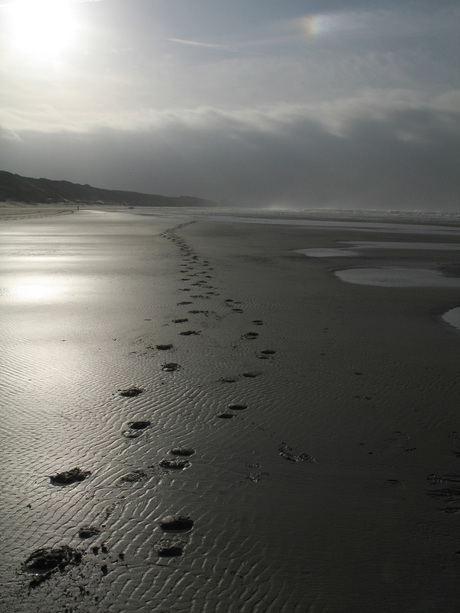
{"type": "Point", "coordinates": [288, 453]}
{"type": "Point", "coordinates": [250, 336]}
{"type": "Point", "coordinates": [130, 392]}
{"type": "Point", "coordinates": [135, 428]}
{"type": "Point", "coordinates": [190, 333]}
{"type": "Point", "coordinates": [237, 407]}
{"type": "Point", "coordinates": [180, 320]}
{"type": "Point", "coordinates": [252, 374]}
{"type": "Point", "coordinates": [70, 476]}
{"type": "Point", "coordinates": [167, 548]}
{"type": "Point", "coordinates": [228, 379]}
{"type": "Point", "coordinates": [170, 367]}
{"type": "Point", "coordinates": [176, 464]}
{"type": "Point", "coordinates": [164, 347]}
{"type": "Point", "coordinates": [225, 415]}
{"type": "Point", "coordinates": [49, 559]}
{"type": "Point", "coordinates": [176, 523]}
{"type": "Point", "coordinates": [86, 532]}
{"type": "Point", "coordinates": [182, 451]}
{"type": "Point", "coordinates": [136, 476]}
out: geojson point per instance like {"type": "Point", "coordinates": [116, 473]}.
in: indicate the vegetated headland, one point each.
{"type": "Point", "coordinates": [15, 188]}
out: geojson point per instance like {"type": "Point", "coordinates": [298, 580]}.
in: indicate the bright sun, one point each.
{"type": "Point", "coordinates": [44, 28]}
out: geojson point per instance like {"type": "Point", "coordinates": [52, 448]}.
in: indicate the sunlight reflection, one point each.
{"type": "Point", "coordinates": [36, 289]}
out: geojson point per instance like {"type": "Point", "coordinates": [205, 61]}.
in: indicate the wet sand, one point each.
{"type": "Point", "coordinates": [251, 432]}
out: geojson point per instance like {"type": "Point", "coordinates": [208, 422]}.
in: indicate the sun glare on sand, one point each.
{"type": "Point", "coordinates": [42, 28]}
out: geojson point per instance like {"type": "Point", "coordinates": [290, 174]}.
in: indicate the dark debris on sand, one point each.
{"type": "Point", "coordinates": [70, 476]}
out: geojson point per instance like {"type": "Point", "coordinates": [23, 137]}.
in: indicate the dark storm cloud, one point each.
{"type": "Point", "coordinates": [403, 158]}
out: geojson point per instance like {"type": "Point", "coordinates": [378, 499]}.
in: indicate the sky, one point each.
{"type": "Point", "coordinates": [275, 103]}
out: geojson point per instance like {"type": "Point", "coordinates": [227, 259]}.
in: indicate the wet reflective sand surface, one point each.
{"type": "Point", "coordinates": [250, 432]}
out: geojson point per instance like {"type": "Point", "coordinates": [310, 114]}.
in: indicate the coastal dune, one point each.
{"type": "Point", "coordinates": [252, 432]}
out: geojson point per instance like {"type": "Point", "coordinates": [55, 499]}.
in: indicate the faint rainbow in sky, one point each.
{"type": "Point", "coordinates": [315, 24]}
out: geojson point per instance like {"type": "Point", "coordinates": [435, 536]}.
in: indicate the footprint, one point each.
{"type": "Point", "coordinates": [287, 453]}
{"type": "Point", "coordinates": [237, 407]}
{"type": "Point", "coordinates": [174, 464]}
{"type": "Point", "coordinates": [228, 380]}
{"type": "Point", "coordinates": [250, 336]}
{"type": "Point", "coordinates": [180, 321]}
{"type": "Point", "coordinates": [225, 415]}
{"type": "Point", "coordinates": [86, 532]}
{"type": "Point", "coordinates": [170, 367]}
{"type": "Point", "coordinates": [268, 352]}
{"type": "Point", "coordinates": [190, 333]}
{"type": "Point", "coordinates": [182, 451]}
{"type": "Point", "coordinates": [251, 375]}
{"type": "Point", "coordinates": [164, 347]}
{"type": "Point", "coordinates": [135, 429]}
{"type": "Point", "coordinates": [130, 392]}
{"type": "Point", "coordinates": [184, 302]}
{"type": "Point", "coordinates": [47, 560]}
{"type": "Point", "coordinates": [173, 523]}
{"type": "Point", "coordinates": [70, 476]}
{"type": "Point", "coordinates": [167, 548]}
{"type": "Point", "coordinates": [258, 322]}
{"type": "Point", "coordinates": [136, 476]}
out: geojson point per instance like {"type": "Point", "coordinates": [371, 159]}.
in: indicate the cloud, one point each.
{"type": "Point", "coordinates": [398, 156]}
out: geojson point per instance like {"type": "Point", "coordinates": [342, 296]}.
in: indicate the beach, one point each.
{"type": "Point", "coordinates": [254, 434]}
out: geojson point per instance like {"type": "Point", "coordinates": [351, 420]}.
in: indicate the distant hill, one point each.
{"type": "Point", "coordinates": [24, 189]}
